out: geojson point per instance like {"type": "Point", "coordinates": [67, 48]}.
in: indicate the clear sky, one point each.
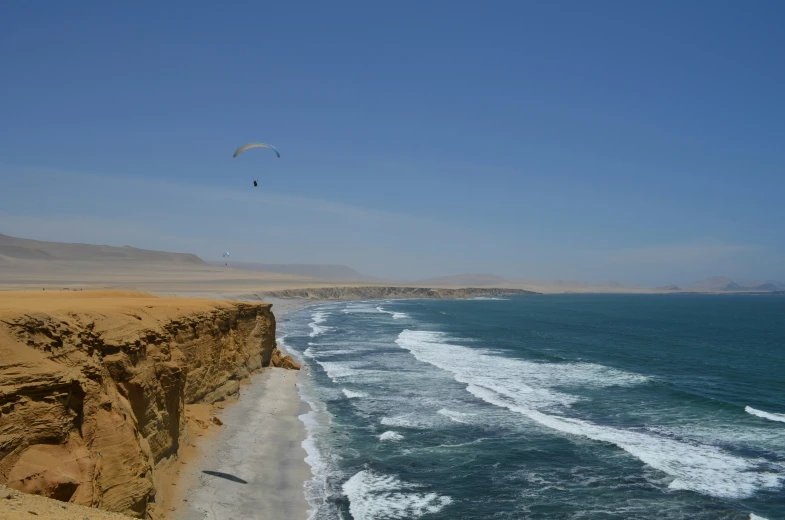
{"type": "Point", "coordinates": [634, 141]}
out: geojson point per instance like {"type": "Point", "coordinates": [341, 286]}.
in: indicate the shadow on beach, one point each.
{"type": "Point", "coordinates": [227, 476]}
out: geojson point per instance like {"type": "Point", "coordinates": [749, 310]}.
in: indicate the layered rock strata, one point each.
{"type": "Point", "coordinates": [94, 384]}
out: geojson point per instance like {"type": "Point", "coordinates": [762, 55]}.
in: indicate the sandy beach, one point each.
{"type": "Point", "coordinates": [254, 466]}
{"type": "Point", "coordinates": [192, 460]}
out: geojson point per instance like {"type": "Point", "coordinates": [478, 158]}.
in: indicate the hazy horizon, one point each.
{"type": "Point", "coordinates": [449, 278]}
{"type": "Point", "coordinates": [550, 142]}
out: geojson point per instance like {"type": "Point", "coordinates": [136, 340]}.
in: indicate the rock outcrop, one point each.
{"type": "Point", "coordinates": [391, 292]}
{"type": "Point", "coordinates": [93, 386]}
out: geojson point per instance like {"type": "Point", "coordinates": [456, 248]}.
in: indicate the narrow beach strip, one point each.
{"type": "Point", "coordinates": [256, 467]}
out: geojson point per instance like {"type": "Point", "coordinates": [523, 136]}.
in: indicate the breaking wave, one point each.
{"type": "Point", "coordinates": [778, 417]}
{"type": "Point", "coordinates": [395, 315]}
{"type": "Point", "coordinates": [526, 388]}
{"type": "Point", "coordinates": [318, 317]}
{"type": "Point", "coordinates": [458, 417]}
{"type": "Point", "coordinates": [390, 436]}
{"type": "Point", "coordinates": [351, 394]}
{"type": "Point", "coordinates": [375, 496]}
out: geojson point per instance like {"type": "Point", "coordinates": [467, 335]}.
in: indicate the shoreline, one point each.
{"type": "Point", "coordinates": [132, 361]}
{"type": "Point", "coordinates": [254, 464]}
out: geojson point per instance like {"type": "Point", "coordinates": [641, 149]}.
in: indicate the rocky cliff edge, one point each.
{"type": "Point", "coordinates": [94, 386]}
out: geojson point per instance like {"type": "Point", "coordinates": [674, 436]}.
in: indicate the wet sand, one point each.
{"type": "Point", "coordinates": [254, 467]}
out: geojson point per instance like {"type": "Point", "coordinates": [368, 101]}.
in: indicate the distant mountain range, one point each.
{"type": "Point", "coordinates": [18, 254]}
{"type": "Point", "coordinates": [14, 250]}
{"type": "Point", "coordinates": [721, 283]}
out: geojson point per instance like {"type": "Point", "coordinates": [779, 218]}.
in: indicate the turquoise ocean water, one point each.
{"type": "Point", "coordinates": [545, 407]}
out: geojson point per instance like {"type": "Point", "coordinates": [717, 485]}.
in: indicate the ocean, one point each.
{"type": "Point", "coordinates": [545, 407]}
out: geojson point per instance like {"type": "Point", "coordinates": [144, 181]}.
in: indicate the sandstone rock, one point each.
{"type": "Point", "coordinates": [289, 363]}
{"type": "Point", "coordinates": [94, 385]}
{"type": "Point", "coordinates": [50, 470]}
{"type": "Point", "coordinates": [279, 360]}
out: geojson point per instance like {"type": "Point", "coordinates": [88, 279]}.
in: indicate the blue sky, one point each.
{"type": "Point", "coordinates": [640, 142]}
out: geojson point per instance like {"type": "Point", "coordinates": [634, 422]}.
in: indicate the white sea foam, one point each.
{"type": "Point", "coordinates": [395, 315]}
{"type": "Point", "coordinates": [515, 376]}
{"type": "Point", "coordinates": [701, 468]}
{"type": "Point", "coordinates": [359, 308]}
{"type": "Point", "coordinates": [318, 354]}
{"type": "Point", "coordinates": [489, 298]}
{"type": "Point", "coordinates": [404, 421]}
{"type": "Point", "coordinates": [337, 369]}
{"type": "Point", "coordinates": [718, 431]}
{"type": "Point", "coordinates": [314, 420]}
{"type": "Point", "coordinates": [390, 436]}
{"type": "Point", "coordinates": [459, 417]}
{"type": "Point", "coordinates": [753, 516]}
{"type": "Point", "coordinates": [351, 394]}
{"type": "Point", "coordinates": [462, 444]}
{"type": "Point", "coordinates": [316, 329]}
{"type": "Point", "coordinates": [766, 415]}
{"type": "Point", "coordinates": [336, 352]}
{"type": "Point", "coordinates": [376, 496]}
{"type": "Point", "coordinates": [316, 485]}
{"type": "Point", "coordinates": [525, 387]}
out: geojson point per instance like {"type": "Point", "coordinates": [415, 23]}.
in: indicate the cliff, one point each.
{"type": "Point", "coordinates": [392, 292]}
{"type": "Point", "coordinates": [94, 386]}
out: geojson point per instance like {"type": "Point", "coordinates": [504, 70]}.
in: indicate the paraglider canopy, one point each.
{"type": "Point", "coordinates": [226, 254]}
{"type": "Point", "coordinates": [256, 145]}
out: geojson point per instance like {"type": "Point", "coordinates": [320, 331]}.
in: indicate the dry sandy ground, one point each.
{"type": "Point", "coordinates": [17, 506]}
{"type": "Point", "coordinates": [144, 307]}
{"type": "Point", "coordinates": [35, 264]}
{"type": "Point", "coordinates": [83, 266]}
{"type": "Point", "coordinates": [31, 264]}
{"type": "Point", "coordinates": [159, 278]}
{"type": "Point", "coordinates": [217, 282]}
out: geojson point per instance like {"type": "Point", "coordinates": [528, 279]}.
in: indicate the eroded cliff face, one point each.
{"type": "Point", "coordinates": [93, 387]}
